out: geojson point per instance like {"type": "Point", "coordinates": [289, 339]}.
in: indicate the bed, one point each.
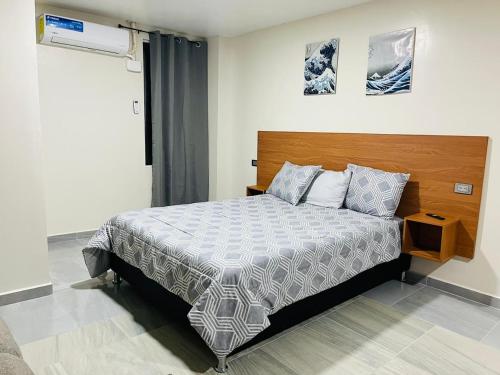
{"type": "Point", "coordinates": [239, 261]}
{"type": "Point", "coordinates": [239, 265]}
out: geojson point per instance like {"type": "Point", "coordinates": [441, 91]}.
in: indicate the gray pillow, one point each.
{"type": "Point", "coordinates": [375, 192]}
{"type": "Point", "coordinates": [292, 181]}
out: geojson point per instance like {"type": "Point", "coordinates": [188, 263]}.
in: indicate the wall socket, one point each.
{"type": "Point", "coordinates": [461, 188]}
{"type": "Point", "coordinates": [254, 163]}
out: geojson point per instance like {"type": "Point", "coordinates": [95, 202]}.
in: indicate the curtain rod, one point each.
{"type": "Point", "coordinates": [120, 26]}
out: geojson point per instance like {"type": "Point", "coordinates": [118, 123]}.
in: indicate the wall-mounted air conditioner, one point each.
{"type": "Point", "coordinates": [72, 33]}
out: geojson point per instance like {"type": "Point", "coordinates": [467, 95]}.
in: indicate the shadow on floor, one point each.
{"type": "Point", "coordinates": [165, 321]}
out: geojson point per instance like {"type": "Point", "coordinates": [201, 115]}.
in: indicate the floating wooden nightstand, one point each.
{"type": "Point", "coordinates": [255, 190]}
{"type": "Point", "coordinates": [430, 238]}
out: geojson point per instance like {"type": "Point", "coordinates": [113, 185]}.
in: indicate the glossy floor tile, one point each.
{"type": "Point", "coordinates": [37, 318]}
{"type": "Point", "coordinates": [66, 263]}
{"type": "Point", "coordinates": [61, 278]}
{"type": "Point", "coordinates": [493, 337]}
{"type": "Point", "coordinates": [384, 325]}
{"type": "Point", "coordinates": [392, 291]}
{"type": "Point", "coordinates": [441, 351]}
{"type": "Point", "coordinates": [258, 362]}
{"type": "Point", "coordinates": [326, 347]}
{"type": "Point", "coordinates": [50, 350]}
{"type": "Point", "coordinates": [460, 315]}
{"type": "Point", "coordinates": [90, 305]}
{"type": "Point", "coordinates": [115, 359]}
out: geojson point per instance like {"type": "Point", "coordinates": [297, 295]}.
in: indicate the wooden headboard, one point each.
{"type": "Point", "coordinates": [436, 163]}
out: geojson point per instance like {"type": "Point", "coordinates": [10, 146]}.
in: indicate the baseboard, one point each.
{"type": "Point", "coordinates": [70, 236]}
{"type": "Point", "coordinates": [414, 277]}
{"type": "Point", "coordinates": [25, 294]}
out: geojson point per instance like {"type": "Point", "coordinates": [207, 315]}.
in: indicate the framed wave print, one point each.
{"type": "Point", "coordinates": [320, 71]}
{"type": "Point", "coordinates": [390, 63]}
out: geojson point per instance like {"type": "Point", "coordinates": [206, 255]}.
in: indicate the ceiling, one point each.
{"type": "Point", "coordinates": [207, 18]}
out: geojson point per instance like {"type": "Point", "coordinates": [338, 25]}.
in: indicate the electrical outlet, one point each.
{"type": "Point", "coordinates": [461, 188]}
{"type": "Point", "coordinates": [254, 163]}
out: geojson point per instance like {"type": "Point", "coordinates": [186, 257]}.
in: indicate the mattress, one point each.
{"type": "Point", "coordinates": [238, 261]}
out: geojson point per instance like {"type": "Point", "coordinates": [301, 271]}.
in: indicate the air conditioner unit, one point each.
{"type": "Point", "coordinates": [72, 33]}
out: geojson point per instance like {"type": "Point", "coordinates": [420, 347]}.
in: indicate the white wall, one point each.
{"type": "Point", "coordinates": [455, 91]}
{"type": "Point", "coordinates": [213, 111]}
{"type": "Point", "coordinates": [23, 250]}
{"type": "Point", "coordinates": [93, 143]}
{"type": "Point", "coordinates": [221, 73]}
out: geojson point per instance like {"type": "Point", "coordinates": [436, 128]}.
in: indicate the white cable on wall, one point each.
{"type": "Point", "coordinates": [133, 65]}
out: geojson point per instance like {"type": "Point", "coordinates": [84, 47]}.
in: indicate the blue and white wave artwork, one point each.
{"type": "Point", "coordinates": [320, 72]}
{"type": "Point", "coordinates": [390, 63]}
{"type": "Point", "coordinates": [397, 80]}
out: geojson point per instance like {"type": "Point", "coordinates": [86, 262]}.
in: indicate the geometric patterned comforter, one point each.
{"type": "Point", "coordinates": [238, 261]}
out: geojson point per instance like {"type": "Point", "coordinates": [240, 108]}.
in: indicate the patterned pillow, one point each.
{"type": "Point", "coordinates": [292, 181]}
{"type": "Point", "coordinates": [375, 192]}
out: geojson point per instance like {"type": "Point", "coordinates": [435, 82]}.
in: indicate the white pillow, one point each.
{"type": "Point", "coordinates": [328, 189]}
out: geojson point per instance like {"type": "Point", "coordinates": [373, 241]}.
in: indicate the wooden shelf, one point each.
{"type": "Point", "coordinates": [256, 190]}
{"type": "Point", "coordinates": [429, 238]}
{"type": "Point", "coordinates": [427, 254]}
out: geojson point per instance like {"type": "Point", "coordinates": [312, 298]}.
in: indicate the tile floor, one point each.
{"type": "Point", "coordinates": [88, 327]}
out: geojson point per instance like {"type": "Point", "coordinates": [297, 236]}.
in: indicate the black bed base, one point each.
{"type": "Point", "coordinates": [285, 318]}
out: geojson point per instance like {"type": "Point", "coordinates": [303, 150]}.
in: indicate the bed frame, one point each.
{"type": "Point", "coordinates": [285, 318]}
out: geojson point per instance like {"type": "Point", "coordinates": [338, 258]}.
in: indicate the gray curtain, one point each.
{"type": "Point", "coordinates": [179, 109]}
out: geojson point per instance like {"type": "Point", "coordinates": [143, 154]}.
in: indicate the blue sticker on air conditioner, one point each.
{"type": "Point", "coordinates": [64, 23]}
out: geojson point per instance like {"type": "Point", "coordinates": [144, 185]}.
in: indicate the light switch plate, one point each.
{"type": "Point", "coordinates": [135, 107]}
{"type": "Point", "coordinates": [461, 188]}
